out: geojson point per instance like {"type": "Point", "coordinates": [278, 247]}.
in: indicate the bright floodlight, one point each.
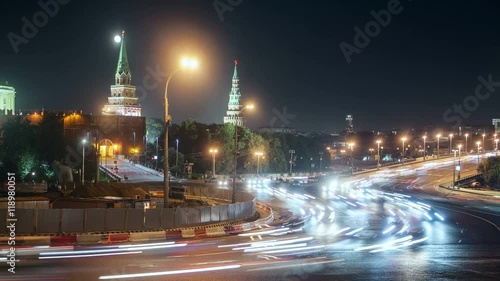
{"type": "Point", "coordinates": [118, 38]}
{"type": "Point", "coordinates": [403, 139]}
{"type": "Point", "coordinates": [189, 63]}
{"type": "Point", "coordinates": [250, 106]}
{"type": "Point", "coordinates": [84, 141]}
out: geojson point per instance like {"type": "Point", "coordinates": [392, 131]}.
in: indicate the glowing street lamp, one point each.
{"type": "Point", "coordinates": [235, 164]}
{"type": "Point", "coordinates": [213, 151]}
{"type": "Point", "coordinates": [403, 139]}
{"type": "Point", "coordinates": [185, 64]}
{"type": "Point", "coordinates": [459, 164]}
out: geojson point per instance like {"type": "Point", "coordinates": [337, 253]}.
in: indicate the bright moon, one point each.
{"type": "Point", "coordinates": [118, 39]}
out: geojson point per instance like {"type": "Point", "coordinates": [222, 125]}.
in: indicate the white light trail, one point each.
{"type": "Point", "coordinates": [172, 272]}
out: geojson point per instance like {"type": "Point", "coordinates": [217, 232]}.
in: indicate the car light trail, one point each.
{"type": "Point", "coordinates": [90, 255]}
{"type": "Point", "coordinates": [389, 229]}
{"type": "Point", "coordinates": [354, 231]}
{"type": "Point", "coordinates": [183, 271]}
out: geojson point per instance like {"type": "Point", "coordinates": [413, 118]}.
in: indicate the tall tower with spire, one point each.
{"type": "Point", "coordinates": [233, 115]}
{"type": "Point", "coordinates": [122, 100]}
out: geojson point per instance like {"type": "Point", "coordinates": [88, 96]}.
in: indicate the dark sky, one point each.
{"type": "Point", "coordinates": [425, 60]}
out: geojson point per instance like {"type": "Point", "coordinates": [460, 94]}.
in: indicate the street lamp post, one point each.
{"type": "Point", "coordinates": [213, 151]}
{"type": "Point", "coordinates": [466, 137]}
{"type": "Point", "coordinates": [320, 161]}
{"type": "Point", "coordinates": [258, 154]}
{"type": "Point", "coordinates": [454, 168]}
{"type": "Point", "coordinates": [156, 166]}
{"type": "Point", "coordinates": [235, 164]}
{"type": "Point", "coordinates": [133, 151]}
{"type": "Point", "coordinates": [176, 156]}
{"type": "Point", "coordinates": [424, 137]}
{"type": "Point", "coordinates": [403, 139]}
{"type": "Point", "coordinates": [478, 147]}
{"type": "Point", "coordinates": [351, 146]}
{"type": "Point", "coordinates": [496, 147]}
{"type": "Point", "coordinates": [484, 148]}
{"type": "Point", "coordinates": [378, 154]}
{"type": "Point", "coordinates": [438, 137]}
{"type": "Point", "coordinates": [291, 151]}
{"type": "Point", "coordinates": [185, 63]}
{"type": "Point", "coordinates": [459, 163]}
{"type": "Point", "coordinates": [451, 142]}
{"type": "Point", "coordinates": [84, 141]}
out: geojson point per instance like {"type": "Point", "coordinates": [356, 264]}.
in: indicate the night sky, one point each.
{"type": "Point", "coordinates": [425, 60]}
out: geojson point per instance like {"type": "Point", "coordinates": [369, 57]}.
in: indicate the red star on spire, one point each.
{"type": "Point", "coordinates": [235, 61]}
{"type": "Point", "coordinates": [123, 32]}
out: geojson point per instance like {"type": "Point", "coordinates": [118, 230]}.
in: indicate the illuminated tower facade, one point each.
{"type": "Point", "coordinates": [349, 126]}
{"type": "Point", "coordinates": [122, 100]}
{"type": "Point", "coordinates": [7, 99]}
{"type": "Point", "coordinates": [233, 115]}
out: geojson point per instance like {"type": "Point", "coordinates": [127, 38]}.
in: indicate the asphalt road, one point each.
{"type": "Point", "coordinates": [394, 224]}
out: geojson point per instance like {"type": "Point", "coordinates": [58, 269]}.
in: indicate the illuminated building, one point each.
{"type": "Point", "coordinates": [234, 106]}
{"type": "Point", "coordinates": [123, 100]}
{"type": "Point", "coordinates": [7, 99]}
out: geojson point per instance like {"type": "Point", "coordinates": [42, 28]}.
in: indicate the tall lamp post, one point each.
{"type": "Point", "coordinates": [403, 139]}
{"type": "Point", "coordinates": [235, 164]}
{"type": "Point", "coordinates": [454, 168]}
{"type": "Point", "coordinates": [185, 63]}
{"type": "Point", "coordinates": [496, 147]}
{"type": "Point", "coordinates": [320, 161]}
{"type": "Point", "coordinates": [133, 151]}
{"type": "Point", "coordinates": [438, 137]}
{"type": "Point", "coordinates": [258, 154]}
{"type": "Point", "coordinates": [494, 140]}
{"type": "Point", "coordinates": [466, 137]}
{"type": "Point", "coordinates": [156, 156]}
{"type": "Point", "coordinates": [84, 141]}
{"type": "Point", "coordinates": [451, 142]}
{"type": "Point", "coordinates": [213, 151]}
{"type": "Point", "coordinates": [484, 150]}
{"type": "Point", "coordinates": [378, 154]}
{"type": "Point", "coordinates": [351, 147]}
{"type": "Point", "coordinates": [176, 156]}
{"type": "Point", "coordinates": [459, 164]}
{"type": "Point", "coordinates": [291, 151]}
{"type": "Point", "coordinates": [478, 147]}
{"type": "Point", "coordinates": [424, 137]}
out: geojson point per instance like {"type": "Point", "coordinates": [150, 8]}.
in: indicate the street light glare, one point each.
{"type": "Point", "coordinates": [118, 38]}
{"type": "Point", "coordinates": [250, 106]}
{"type": "Point", "coordinates": [189, 63]}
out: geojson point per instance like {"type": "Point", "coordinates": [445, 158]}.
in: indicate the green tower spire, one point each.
{"type": "Point", "coordinates": [235, 74]}
{"type": "Point", "coordinates": [123, 74]}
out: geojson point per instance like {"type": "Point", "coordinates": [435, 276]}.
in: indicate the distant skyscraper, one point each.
{"type": "Point", "coordinates": [234, 106]}
{"type": "Point", "coordinates": [7, 99]}
{"type": "Point", "coordinates": [349, 126]}
{"type": "Point", "coordinates": [123, 100]}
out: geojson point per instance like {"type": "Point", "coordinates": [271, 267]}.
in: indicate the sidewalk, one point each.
{"type": "Point", "coordinates": [480, 192]}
